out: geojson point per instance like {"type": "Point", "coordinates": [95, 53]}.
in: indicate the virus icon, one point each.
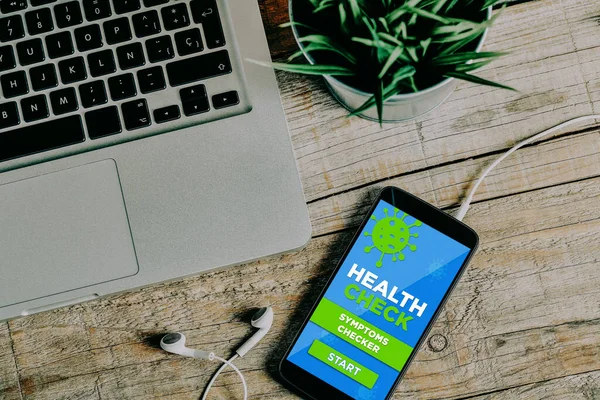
{"type": "Point", "coordinates": [436, 268]}
{"type": "Point", "coordinates": [391, 235]}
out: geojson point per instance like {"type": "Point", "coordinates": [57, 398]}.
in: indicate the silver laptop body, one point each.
{"type": "Point", "coordinates": [161, 200]}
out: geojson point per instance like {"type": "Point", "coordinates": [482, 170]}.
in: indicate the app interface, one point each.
{"type": "Point", "coordinates": [378, 305]}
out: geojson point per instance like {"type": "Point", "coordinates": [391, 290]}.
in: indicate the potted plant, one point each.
{"type": "Point", "coordinates": [391, 60]}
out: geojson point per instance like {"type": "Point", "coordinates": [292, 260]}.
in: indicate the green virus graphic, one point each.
{"type": "Point", "coordinates": [391, 235]}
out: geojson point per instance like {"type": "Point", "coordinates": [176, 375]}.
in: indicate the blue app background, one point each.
{"type": "Point", "coordinates": [425, 273]}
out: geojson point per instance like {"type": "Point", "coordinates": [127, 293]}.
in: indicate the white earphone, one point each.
{"type": "Point", "coordinates": [175, 343]}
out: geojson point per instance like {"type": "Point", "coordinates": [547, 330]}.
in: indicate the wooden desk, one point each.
{"type": "Point", "coordinates": [524, 322]}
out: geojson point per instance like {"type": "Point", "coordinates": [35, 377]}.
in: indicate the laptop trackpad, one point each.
{"type": "Point", "coordinates": [63, 231]}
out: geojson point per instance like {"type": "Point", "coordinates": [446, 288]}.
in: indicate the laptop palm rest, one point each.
{"type": "Point", "coordinates": [63, 231]}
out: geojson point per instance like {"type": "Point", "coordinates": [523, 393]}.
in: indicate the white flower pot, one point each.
{"type": "Point", "coordinates": [401, 107]}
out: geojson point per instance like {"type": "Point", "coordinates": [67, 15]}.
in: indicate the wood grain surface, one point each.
{"type": "Point", "coordinates": [523, 323]}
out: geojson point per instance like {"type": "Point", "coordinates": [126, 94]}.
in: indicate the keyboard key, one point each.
{"type": "Point", "coordinates": [226, 99]}
{"type": "Point", "coordinates": [101, 63]}
{"type": "Point", "coordinates": [103, 122]}
{"type": "Point", "coordinates": [196, 106]}
{"type": "Point", "coordinates": [59, 45]}
{"type": "Point", "coordinates": [206, 13]}
{"type": "Point", "coordinates": [146, 23]}
{"type": "Point", "coordinates": [30, 51]}
{"type": "Point", "coordinates": [194, 100]}
{"type": "Point", "coordinates": [41, 2]}
{"type": "Point", "coordinates": [88, 37]}
{"type": "Point", "coordinates": [35, 108]}
{"type": "Point", "coordinates": [166, 114]}
{"type": "Point", "coordinates": [68, 14]}
{"type": "Point", "coordinates": [189, 42]}
{"type": "Point", "coordinates": [7, 58]}
{"type": "Point", "coordinates": [63, 101]}
{"type": "Point", "coordinates": [130, 56]}
{"type": "Point", "coordinates": [117, 30]}
{"type": "Point", "coordinates": [35, 138]}
{"type": "Point", "coordinates": [9, 116]}
{"type": "Point", "coordinates": [11, 28]}
{"type": "Point", "coordinates": [159, 49]}
{"type": "Point", "coordinates": [92, 94]}
{"type": "Point", "coordinates": [39, 21]}
{"type": "Point", "coordinates": [96, 9]}
{"type": "Point", "coordinates": [199, 67]}
{"type": "Point", "coordinates": [135, 114]}
{"type": "Point", "coordinates": [125, 6]}
{"type": "Point", "coordinates": [43, 77]}
{"type": "Point", "coordinates": [151, 79]}
{"type": "Point", "coordinates": [192, 93]}
{"type": "Point", "coordinates": [72, 70]}
{"type": "Point", "coordinates": [175, 16]}
{"type": "Point", "coordinates": [122, 87]}
{"type": "Point", "coordinates": [152, 3]}
{"type": "Point", "coordinates": [14, 84]}
{"type": "Point", "coordinates": [8, 6]}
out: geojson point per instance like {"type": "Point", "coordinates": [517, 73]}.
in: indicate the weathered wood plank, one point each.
{"type": "Point", "coordinates": [584, 386]}
{"type": "Point", "coordinates": [554, 48]}
{"type": "Point", "coordinates": [560, 160]}
{"type": "Point", "coordinates": [9, 382]}
{"type": "Point", "coordinates": [526, 311]}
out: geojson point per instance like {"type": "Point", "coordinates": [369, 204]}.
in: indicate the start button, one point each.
{"type": "Point", "coordinates": [343, 364]}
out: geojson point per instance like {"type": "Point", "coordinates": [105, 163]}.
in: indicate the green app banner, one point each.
{"type": "Point", "coordinates": [361, 334]}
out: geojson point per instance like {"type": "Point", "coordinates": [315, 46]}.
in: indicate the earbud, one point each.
{"type": "Point", "coordinates": [263, 319]}
{"type": "Point", "coordinates": [175, 343]}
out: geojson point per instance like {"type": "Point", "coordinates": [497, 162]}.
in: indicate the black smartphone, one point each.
{"type": "Point", "coordinates": [380, 302]}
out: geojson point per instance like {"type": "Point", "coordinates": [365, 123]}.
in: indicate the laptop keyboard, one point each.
{"type": "Point", "coordinates": [92, 73]}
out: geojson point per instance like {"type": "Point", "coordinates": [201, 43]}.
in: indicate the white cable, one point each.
{"type": "Point", "coordinates": [464, 207]}
{"type": "Point", "coordinates": [225, 364]}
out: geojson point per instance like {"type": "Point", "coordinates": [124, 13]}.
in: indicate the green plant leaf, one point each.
{"type": "Point", "coordinates": [476, 79]}
{"type": "Point", "coordinates": [453, 48]}
{"type": "Point", "coordinates": [377, 45]}
{"type": "Point", "coordinates": [425, 45]}
{"type": "Point", "coordinates": [343, 18]}
{"type": "Point", "coordinates": [389, 91]}
{"type": "Point", "coordinates": [379, 101]}
{"type": "Point", "coordinates": [412, 52]}
{"type": "Point", "coordinates": [323, 5]}
{"type": "Point", "coordinates": [426, 14]}
{"type": "Point", "coordinates": [320, 47]}
{"type": "Point", "coordinates": [472, 66]}
{"type": "Point", "coordinates": [402, 74]}
{"type": "Point", "coordinates": [462, 58]}
{"type": "Point", "coordinates": [294, 23]}
{"type": "Point", "coordinates": [390, 61]}
{"type": "Point", "coordinates": [355, 9]}
{"type": "Point", "coordinates": [438, 6]}
{"type": "Point", "coordinates": [451, 5]}
{"type": "Point", "coordinates": [400, 11]}
{"type": "Point", "coordinates": [395, 43]}
{"type": "Point", "coordinates": [384, 24]}
{"type": "Point", "coordinates": [490, 3]}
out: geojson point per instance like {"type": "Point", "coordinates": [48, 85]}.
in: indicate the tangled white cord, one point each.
{"type": "Point", "coordinates": [464, 207]}
{"type": "Point", "coordinates": [225, 364]}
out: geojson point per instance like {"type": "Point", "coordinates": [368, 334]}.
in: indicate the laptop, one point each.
{"type": "Point", "coordinates": [137, 145]}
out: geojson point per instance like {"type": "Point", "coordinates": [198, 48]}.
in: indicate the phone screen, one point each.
{"type": "Point", "coordinates": [379, 304]}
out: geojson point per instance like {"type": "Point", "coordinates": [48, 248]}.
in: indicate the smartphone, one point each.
{"type": "Point", "coordinates": [380, 302]}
